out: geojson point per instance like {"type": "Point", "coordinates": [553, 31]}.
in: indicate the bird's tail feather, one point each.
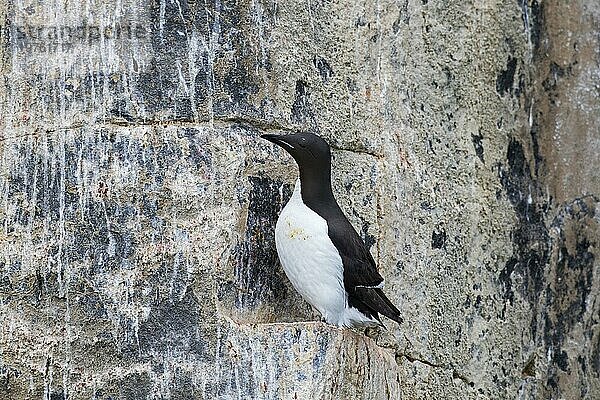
{"type": "Point", "coordinates": [377, 300]}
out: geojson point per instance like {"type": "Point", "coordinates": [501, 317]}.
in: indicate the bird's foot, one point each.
{"type": "Point", "coordinates": [373, 332]}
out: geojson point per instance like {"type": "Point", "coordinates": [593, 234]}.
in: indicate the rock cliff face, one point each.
{"type": "Point", "coordinates": [138, 203]}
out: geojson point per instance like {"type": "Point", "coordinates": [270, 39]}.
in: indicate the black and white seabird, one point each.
{"type": "Point", "coordinates": [321, 253]}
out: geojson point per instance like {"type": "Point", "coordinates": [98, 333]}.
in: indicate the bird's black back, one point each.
{"type": "Point", "coordinates": [361, 277]}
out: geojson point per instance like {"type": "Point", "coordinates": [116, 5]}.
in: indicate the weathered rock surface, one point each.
{"type": "Point", "coordinates": [138, 203]}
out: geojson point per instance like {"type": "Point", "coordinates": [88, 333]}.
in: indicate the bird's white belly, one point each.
{"type": "Point", "coordinates": [309, 258]}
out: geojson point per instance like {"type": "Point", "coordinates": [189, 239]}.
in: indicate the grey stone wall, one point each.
{"type": "Point", "coordinates": [138, 202]}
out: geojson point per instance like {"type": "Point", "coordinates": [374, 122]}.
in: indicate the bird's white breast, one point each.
{"type": "Point", "coordinates": [309, 258]}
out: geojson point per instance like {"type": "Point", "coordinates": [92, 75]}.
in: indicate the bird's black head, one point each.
{"type": "Point", "coordinates": [312, 154]}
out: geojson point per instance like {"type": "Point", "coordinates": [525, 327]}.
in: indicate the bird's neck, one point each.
{"type": "Point", "coordinates": [316, 187]}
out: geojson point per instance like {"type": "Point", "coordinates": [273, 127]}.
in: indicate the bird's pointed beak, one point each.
{"type": "Point", "coordinates": [270, 138]}
{"type": "Point", "coordinates": [278, 140]}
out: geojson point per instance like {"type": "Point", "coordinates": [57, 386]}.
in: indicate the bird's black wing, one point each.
{"type": "Point", "coordinates": [362, 281]}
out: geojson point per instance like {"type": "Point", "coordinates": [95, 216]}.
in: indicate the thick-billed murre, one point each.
{"type": "Point", "coordinates": [321, 253]}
